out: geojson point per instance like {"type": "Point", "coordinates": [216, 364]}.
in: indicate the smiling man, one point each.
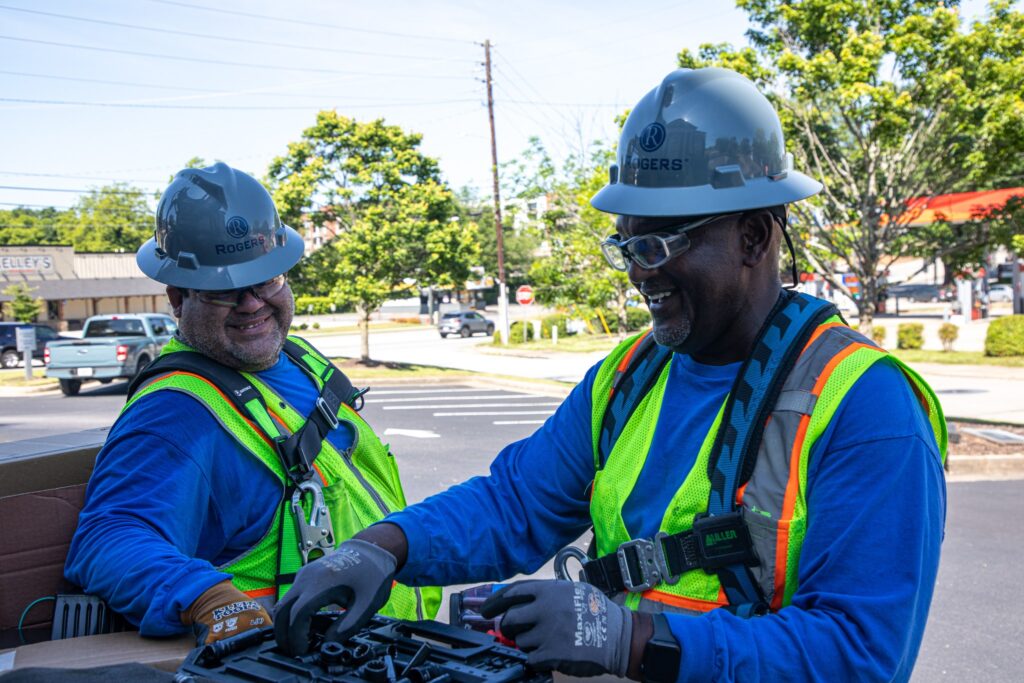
{"type": "Point", "coordinates": [239, 456]}
{"type": "Point", "coordinates": [764, 484]}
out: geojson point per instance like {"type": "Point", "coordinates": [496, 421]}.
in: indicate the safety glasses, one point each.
{"type": "Point", "coordinates": [653, 250]}
{"type": "Point", "coordinates": [229, 298]}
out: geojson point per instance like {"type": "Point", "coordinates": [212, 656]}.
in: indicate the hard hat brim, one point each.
{"type": "Point", "coordinates": [278, 260]}
{"type": "Point", "coordinates": [701, 200]}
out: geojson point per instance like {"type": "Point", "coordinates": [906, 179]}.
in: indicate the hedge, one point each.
{"type": "Point", "coordinates": [1005, 336]}
{"type": "Point", "coordinates": [910, 336]}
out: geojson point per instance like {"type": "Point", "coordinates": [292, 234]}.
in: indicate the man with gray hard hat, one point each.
{"type": "Point", "coordinates": [764, 484]}
{"type": "Point", "coordinates": [239, 456]}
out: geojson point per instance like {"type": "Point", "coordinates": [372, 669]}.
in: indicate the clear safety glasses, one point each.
{"type": "Point", "coordinates": [230, 298]}
{"type": "Point", "coordinates": [655, 249]}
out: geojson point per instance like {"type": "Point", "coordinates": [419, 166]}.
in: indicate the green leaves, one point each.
{"type": "Point", "coordinates": [385, 201]}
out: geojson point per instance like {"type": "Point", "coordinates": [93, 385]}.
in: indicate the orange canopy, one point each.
{"type": "Point", "coordinates": [956, 208]}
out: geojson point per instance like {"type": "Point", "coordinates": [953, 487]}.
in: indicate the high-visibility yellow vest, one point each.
{"type": "Point", "coordinates": [360, 485]}
{"type": "Point", "coordinates": [773, 498]}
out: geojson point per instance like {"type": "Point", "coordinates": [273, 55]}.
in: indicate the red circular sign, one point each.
{"type": "Point", "coordinates": [524, 295]}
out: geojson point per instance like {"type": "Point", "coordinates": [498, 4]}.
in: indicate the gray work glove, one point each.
{"type": "Point", "coordinates": [563, 625]}
{"type": "Point", "coordinates": [356, 576]}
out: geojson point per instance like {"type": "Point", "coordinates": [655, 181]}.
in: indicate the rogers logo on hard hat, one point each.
{"type": "Point", "coordinates": [257, 241]}
{"type": "Point", "coordinates": [237, 227]}
{"type": "Point", "coordinates": [651, 137]}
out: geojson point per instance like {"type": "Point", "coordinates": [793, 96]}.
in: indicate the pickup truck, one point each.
{"type": "Point", "coordinates": [111, 346]}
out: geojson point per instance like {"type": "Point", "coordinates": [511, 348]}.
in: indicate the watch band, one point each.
{"type": "Point", "coordinates": [662, 654]}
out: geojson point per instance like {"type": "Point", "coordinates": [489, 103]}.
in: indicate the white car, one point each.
{"type": "Point", "coordinates": [1000, 293]}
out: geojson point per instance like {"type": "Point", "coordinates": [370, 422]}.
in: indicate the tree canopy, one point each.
{"type": "Point", "coordinates": [884, 101]}
{"type": "Point", "coordinates": [392, 213]}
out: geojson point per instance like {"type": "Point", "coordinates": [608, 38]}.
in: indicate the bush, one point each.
{"type": "Point", "coordinates": [409, 320]}
{"type": "Point", "coordinates": [878, 334]}
{"type": "Point", "coordinates": [316, 326]}
{"type": "Point", "coordinates": [559, 320]}
{"type": "Point", "coordinates": [321, 305]}
{"type": "Point", "coordinates": [515, 334]}
{"type": "Point", "coordinates": [1005, 336]}
{"type": "Point", "coordinates": [910, 336]}
{"type": "Point", "coordinates": [636, 319]}
{"type": "Point", "coordinates": [947, 335]}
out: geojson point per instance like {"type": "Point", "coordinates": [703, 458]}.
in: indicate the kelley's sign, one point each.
{"type": "Point", "coordinates": [26, 264]}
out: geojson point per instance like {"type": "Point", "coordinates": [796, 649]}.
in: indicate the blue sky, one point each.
{"type": "Point", "coordinates": [236, 80]}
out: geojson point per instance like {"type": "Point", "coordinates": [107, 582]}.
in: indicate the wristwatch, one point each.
{"type": "Point", "coordinates": [662, 654]}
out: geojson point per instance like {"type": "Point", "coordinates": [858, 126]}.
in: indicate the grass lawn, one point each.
{"type": "Point", "coordinates": [577, 343]}
{"type": "Point", "coordinates": [16, 378]}
{"type": "Point", "coordinates": [956, 358]}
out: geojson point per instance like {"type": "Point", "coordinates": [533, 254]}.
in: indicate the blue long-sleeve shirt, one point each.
{"type": "Point", "coordinates": [876, 513]}
{"type": "Point", "coordinates": [172, 497]}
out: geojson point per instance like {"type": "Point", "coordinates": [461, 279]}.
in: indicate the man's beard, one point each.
{"type": "Point", "coordinates": [673, 335]}
{"type": "Point", "coordinates": [215, 343]}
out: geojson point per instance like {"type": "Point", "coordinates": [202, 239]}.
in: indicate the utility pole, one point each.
{"type": "Point", "coordinates": [502, 287]}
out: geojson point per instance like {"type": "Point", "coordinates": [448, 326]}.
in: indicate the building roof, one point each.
{"type": "Point", "coordinates": [50, 290]}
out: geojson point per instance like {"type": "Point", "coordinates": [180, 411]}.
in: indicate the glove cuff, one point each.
{"type": "Point", "coordinates": [625, 637]}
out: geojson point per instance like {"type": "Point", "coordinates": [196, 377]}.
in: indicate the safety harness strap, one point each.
{"type": "Point", "coordinates": [719, 540]}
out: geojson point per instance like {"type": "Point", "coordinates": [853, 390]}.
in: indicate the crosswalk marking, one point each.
{"type": "Point", "coordinates": [422, 399]}
{"type": "Point", "coordinates": [475, 405]}
{"type": "Point", "coordinates": [488, 414]}
{"type": "Point", "coordinates": [393, 392]}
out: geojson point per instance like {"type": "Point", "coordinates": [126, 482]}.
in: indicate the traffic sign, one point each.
{"type": "Point", "coordinates": [26, 338]}
{"type": "Point", "coordinates": [524, 295]}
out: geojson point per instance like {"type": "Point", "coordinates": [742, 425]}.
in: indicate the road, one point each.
{"type": "Point", "coordinates": [444, 434]}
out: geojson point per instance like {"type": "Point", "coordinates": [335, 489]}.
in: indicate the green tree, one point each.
{"type": "Point", "coordinates": [575, 273]}
{"type": "Point", "coordinates": [391, 211]}
{"type": "Point", "coordinates": [884, 101]}
{"type": "Point", "coordinates": [23, 307]}
{"type": "Point", "coordinates": [29, 226]}
{"type": "Point", "coordinates": [112, 218]}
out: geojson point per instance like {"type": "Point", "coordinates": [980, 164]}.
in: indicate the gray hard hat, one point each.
{"type": "Point", "coordinates": [703, 142]}
{"type": "Point", "coordinates": [218, 228]}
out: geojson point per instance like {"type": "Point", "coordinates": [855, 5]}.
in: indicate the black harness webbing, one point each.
{"type": "Point", "coordinates": [719, 541]}
{"type": "Point", "coordinates": [298, 451]}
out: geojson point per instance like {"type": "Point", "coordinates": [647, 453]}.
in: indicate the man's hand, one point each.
{"type": "Point", "coordinates": [563, 625]}
{"type": "Point", "coordinates": [223, 611]}
{"type": "Point", "coordinates": [356, 576]}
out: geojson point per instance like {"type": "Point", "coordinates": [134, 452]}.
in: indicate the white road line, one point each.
{"type": "Point", "coordinates": [414, 433]}
{"type": "Point", "coordinates": [394, 392]}
{"type": "Point", "coordinates": [500, 397]}
{"type": "Point", "coordinates": [476, 405]}
{"type": "Point", "coordinates": [518, 422]}
{"type": "Point", "coordinates": [505, 412]}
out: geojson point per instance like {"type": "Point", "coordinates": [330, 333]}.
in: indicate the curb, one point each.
{"type": "Point", "coordinates": [8, 392]}
{"type": "Point", "coordinates": [983, 467]}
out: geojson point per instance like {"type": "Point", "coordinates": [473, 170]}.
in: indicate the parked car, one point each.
{"type": "Point", "coordinates": [465, 324]}
{"type": "Point", "coordinates": [111, 346]}
{"type": "Point", "coordinates": [916, 292]}
{"type": "Point", "coordinates": [1000, 293]}
{"type": "Point", "coordinates": [9, 354]}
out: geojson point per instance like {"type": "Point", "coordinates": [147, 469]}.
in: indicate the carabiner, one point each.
{"type": "Point", "coordinates": [315, 532]}
{"type": "Point", "coordinates": [563, 556]}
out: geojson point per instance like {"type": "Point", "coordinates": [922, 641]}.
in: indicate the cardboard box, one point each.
{"type": "Point", "coordinates": [42, 484]}
{"type": "Point", "coordinates": [104, 650]}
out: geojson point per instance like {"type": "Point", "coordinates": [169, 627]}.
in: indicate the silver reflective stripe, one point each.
{"type": "Point", "coordinates": [796, 401]}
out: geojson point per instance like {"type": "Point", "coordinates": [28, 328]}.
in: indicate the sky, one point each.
{"type": "Point", "coordinates": [130, 90]}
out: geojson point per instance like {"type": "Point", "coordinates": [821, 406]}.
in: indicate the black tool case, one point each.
{"type": "Point", "coordinates": [386, 651]}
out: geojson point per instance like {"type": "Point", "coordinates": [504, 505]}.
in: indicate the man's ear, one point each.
{"type": "Point", "coordinates": [756, 232]}
{"type": "Point", "coordinates": [176, 297]}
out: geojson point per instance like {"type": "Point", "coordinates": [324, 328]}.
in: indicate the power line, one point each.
{"type": "Point", "coordinates": [78, 177]}
{"type": "Point", "coordinates": [63, 189]}
{"type": "Point", "coordinates": [249, 65]}
{"type": "Point", "coordinates": [254, 107]}
{"type": "Point", "coordinates": [159, 86]}
{"type": "Point", "coordinates": [318, 24]}
{"type": "Point", "coordinates": [247, 41]}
